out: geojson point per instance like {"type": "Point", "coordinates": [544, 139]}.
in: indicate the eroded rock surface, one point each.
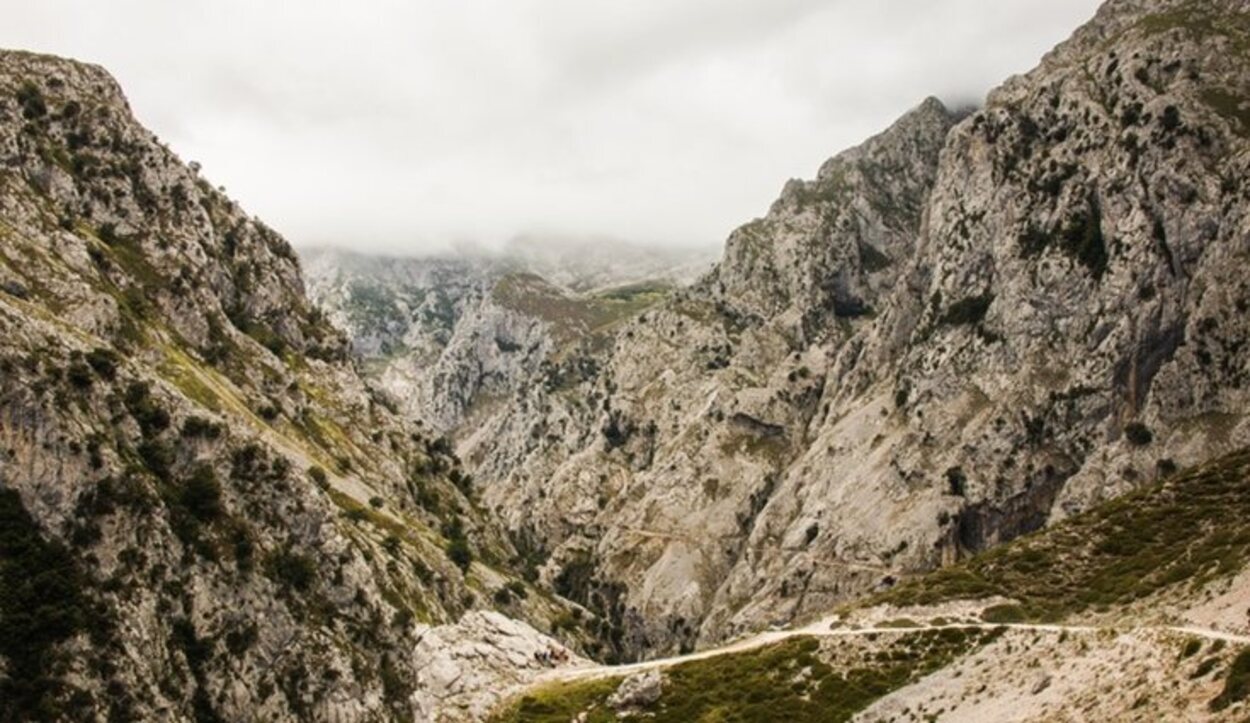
{"type": "Point", "coordinates": [465, 669]}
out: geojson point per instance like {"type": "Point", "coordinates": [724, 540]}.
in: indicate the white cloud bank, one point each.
{"type": "Point", "coordinates": [408, 125]}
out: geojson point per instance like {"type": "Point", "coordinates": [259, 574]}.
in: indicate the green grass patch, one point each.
{"type": "Point", "coordinates": [562, 702]}
{"type": "Point", "coordinates": [1202, 20]}
{"type": "Point", "coordinates": [1182, 532]}
{"type": "Point", "coordinates": [573, 316]}
{"type": "Point", "coordinates": [1231, 107]}
{"type": "Point", "coordinates": [181, 371]}
{"type": "Point", "coordinates": [1236, 683]}
{"type": "Point", "coordinates": [789, 681]}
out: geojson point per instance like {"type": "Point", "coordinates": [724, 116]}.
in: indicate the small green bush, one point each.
{"type": "Point", "coordinates": [292, 570]}
{"type": "Point", "coordinates": [239, 640]}
{"type": "Point", "coordinates": [152, 419]}
{"type": "Point", "coordinates": [968, 311]}
{"type": "Point", "coordinates": [104, 362]}
{"type": "Point", "coordinates": [157, 456]}
{"type": "Point", "coordinates": [459, 553]}
{"type": "Point", "coordinates": [458, 550]}
{"type": "Point", "coordinates": [79, 375]}
{"type": "Point", "coordinates": [195, 427]}
{"type": "Point", "coordinates": [957, 481]}
{"type": "Point", "coordinates": [1082, 239]}
{"type": "Point", "coordinates": [30, 97]}
{"type": "Point", "coordinates": [201, 495]}
{"type": "Point", "coordinates": [1138, 434]}
{"type": "Point", "coordinates": [1236, 683]}
{"type": "Point", "coordinates": [462, 481]}
{"type": "Point", "coordinates": [244, 549]}
{"type": "Point", "coordinates": [1003, 614]}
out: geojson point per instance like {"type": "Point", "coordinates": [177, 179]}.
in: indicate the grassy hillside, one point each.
{"type": "Point", "coordinates": [193, 471]}
{"type": "Point", "coordinates": [1181, 533]}
{"type": "Point", "coordinates": [572, 316]}
{"type": "Point", "coordinates": [801, 679]}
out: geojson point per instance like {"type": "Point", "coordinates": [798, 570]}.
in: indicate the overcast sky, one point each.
{"type": "Point", "coordinates": [406, 125]}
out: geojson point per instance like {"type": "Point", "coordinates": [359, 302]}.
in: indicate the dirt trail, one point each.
{"type": "Point", "coordinates": [827, 629]}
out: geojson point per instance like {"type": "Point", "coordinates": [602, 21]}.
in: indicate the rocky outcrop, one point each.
{"type": "Point", "coordinates": [636, 693]}
{"type": "Point", "coordinates": [464, 670]}
{"type": "Point", "coordinates": [970, 326]}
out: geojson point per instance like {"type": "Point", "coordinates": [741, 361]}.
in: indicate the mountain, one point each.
{"type": "Point", "coordinates": [451, 336]}
{"type": "Point", "coordinates": [970, 327]}
{"type": "Point", "coordinates": [205, 511]}
{"type": "Point", "coordinates": [589, 264]}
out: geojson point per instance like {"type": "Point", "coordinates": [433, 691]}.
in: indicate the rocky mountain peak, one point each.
{"type": "Point", "coordinates": [828, 247]}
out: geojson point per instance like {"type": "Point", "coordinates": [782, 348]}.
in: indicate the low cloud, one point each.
{"type": "Point", "coordinates": [412, 126]}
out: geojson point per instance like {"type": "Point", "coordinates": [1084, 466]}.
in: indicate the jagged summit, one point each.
{"type": "Point", "coordinates": [828, 247]}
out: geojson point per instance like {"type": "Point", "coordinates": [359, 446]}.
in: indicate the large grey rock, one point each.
{"type": "Point", "coordinates": [465, 669]}
{"type": "Point", "coordinates": [637, 692]}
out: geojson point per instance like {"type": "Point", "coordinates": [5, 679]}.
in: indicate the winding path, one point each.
{"type": "Point", "coordinates": [826, 629]}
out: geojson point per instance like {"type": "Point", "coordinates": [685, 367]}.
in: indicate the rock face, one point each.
{"type": "Point", "coordinates": [960, 331]}
{"type": "Point", "coordinates": [636, 692]}
{"type": "Point", "coordinates": [205, 513]}
{"type": "Point", "coordinates": [464, 670]}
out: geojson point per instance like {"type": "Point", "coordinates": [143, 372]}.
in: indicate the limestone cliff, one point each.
{"type": "Point", "coordinates": [207, 514]}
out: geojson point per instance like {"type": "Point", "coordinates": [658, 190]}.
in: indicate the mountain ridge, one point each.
{"type": "Point", "coordinates": [964, 329]}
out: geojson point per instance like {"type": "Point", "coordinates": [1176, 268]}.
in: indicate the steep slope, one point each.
{"type": "Point", "coordinates": [206, 513]}
{"type": "Point", "coordinates": [958, 332]}
{"type": "Point", "coordinates": [1133, 611]}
